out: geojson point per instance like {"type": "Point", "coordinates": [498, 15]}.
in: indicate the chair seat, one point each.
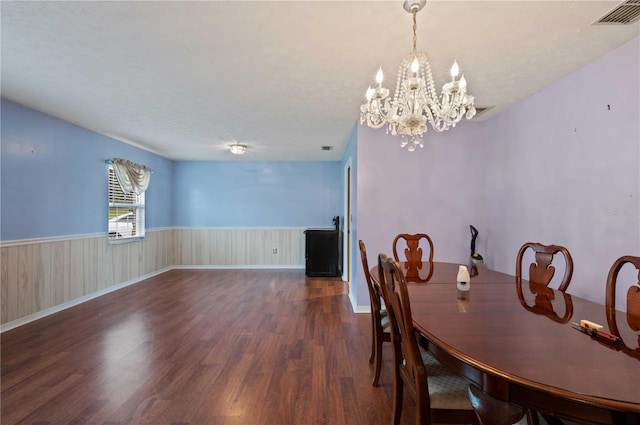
{"type": "Point", "coordinates": [446, 390]}
{"type": "Point", "coordinates": [386, 325]}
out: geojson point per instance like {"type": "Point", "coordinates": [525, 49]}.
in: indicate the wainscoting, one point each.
{"type": "Point", "coordinates": [241, 247]}
{"type": "Point", "coordinates": [39, 277]}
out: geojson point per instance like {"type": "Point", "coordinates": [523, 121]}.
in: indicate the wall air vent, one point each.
{"type": "Point", "coordinates": [625, 13]}
{"type": "Point", "coordinates": [480, 111]}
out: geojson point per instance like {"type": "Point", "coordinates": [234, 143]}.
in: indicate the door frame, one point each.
{"type": "Point", "coordinates": [346, 264]}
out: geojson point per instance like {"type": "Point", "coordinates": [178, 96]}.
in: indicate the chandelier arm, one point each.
{"type": "Point", "coordinates": [438, 124]}
{"type": "Point", "coordinates": [377, 113]}
{"type": "Point", "coordinates": [432, 112]}
{"type": "Point", "coordinates": [430, 105]}
{"type": "Point", "coordinates": [446, 108]}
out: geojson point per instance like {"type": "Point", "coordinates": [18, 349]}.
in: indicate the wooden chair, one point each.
{"type": "Point", "coordinates": [491, 411]}
{"type": "Point", "coordinates": [440, 395]}
{"type": "Point", "coordinates": [633, 304]}
{"type": "Point", "coordinates": [380, 331]}
{"type": "Point", "coordinates": [413, 254]}
{"type": "Point", "coordinates": [541, 271]}
{"type": "Point", "coordinates": [540, 274]}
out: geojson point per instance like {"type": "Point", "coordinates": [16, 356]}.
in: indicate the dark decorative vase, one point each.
{"type": "Point", "coordinates": [476, 259]}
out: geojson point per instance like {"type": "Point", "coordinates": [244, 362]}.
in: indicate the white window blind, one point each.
{"type": "Point", "coordinates": [126, 212]}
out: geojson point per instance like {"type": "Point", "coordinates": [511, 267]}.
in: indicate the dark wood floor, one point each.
{"type": "Point", "coordinates": [200, 347]}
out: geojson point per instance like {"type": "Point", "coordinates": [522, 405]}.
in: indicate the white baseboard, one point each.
{"type": "Point", "coordinates": [358, 308]}
{"type": "Point", "coordinates": [239, 267]}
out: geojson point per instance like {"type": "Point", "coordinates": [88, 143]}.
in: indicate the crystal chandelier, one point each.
{"type": "Point", "coordinates": [415, 101]}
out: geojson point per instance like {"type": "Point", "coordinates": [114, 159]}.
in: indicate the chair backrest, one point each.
{"type": "Point", "coordinates": [633, 301]}
{"type": "Point", "coordinates": [374, 295]}
{"type": "Point", "coordinates": [541, 271]}
{"type": "Point", "coordinates": [394, 289]}
{"type": "Point", "coordinates": [413, 251]}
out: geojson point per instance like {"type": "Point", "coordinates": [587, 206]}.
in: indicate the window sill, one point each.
{"type": "Point", "coordinates": [120, 241]}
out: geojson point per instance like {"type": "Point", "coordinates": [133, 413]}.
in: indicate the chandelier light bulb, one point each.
{"type": "Point", "coordinates": [369, 93]}
{"type": "Point", "coordinates": [455, 70]}
{"type": "Point", "coordinates": [379, 76]}
{"type": "Point", "coordinates": [415, 66]}
{"type": "Point", "coordinates": [463, 83]}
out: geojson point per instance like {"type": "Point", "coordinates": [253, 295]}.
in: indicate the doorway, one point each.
{"type": "Point", "coordinates": [347, 226]}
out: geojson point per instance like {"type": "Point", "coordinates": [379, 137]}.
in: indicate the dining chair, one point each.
{"type": "Point", "coordinates": [541, 271]}
{"type": "Point", "coordinates": [633, 304]}
{"type": "Point", "coordinates": [491, 411]}
{"type": "Point", "coordinates": [380, 330]}
{"type": "Point", "coordinates": [439, 394]}
{"type": "Point", "coordinates": [413, 251]}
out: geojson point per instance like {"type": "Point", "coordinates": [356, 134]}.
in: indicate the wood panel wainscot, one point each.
{"type": "Point", "coordinates": [38, 277]}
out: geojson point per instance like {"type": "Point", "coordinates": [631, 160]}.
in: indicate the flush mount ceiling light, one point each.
{"type": "Point", "coordinates": [237, 149]}
{"type": "Point", "coordinates": [415, 101]}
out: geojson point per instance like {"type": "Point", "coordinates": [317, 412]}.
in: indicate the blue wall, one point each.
{"type": "Point", "coordinates": [54, 183]}
{"type": "Point", "coordinates": [54, 177]}
{"type": "Point", "coordinates": [257, 193]}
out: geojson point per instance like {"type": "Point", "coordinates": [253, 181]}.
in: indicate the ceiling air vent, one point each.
{"type": "Point", "coordinates": [327, 148]}
{"type": "Point", "coordinates": [625, 13]}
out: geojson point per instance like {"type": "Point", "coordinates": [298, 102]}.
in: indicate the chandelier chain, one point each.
{"type": "Point", "coordinates": [415, 30]}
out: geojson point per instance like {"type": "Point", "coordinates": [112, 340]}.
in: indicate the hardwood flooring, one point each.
{"type": "Point", "coordinates": [200, 347]}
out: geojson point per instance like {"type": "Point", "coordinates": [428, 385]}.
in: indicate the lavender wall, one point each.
{"type": "Point", "coordinates": [54, 177]}
{"type": "Point", "coordinates": [563, 166]}
{"type": "Point", "coordinates": [436, 190]}
{"type": "Point", "coordinates": [257, 193]}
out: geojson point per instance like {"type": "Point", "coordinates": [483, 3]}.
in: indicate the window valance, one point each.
{"type": "Point", "coordinates": [131, 176]}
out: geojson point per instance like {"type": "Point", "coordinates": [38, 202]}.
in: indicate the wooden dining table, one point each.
{"type": "Point", "coordinates": [520, 345]}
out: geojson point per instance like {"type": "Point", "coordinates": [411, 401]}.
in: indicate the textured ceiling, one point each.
{"type": "Point", "coordinates": [186, 79]}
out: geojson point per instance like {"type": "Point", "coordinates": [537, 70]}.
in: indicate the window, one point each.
{"type": "Point", "coordinates": [126, 211]}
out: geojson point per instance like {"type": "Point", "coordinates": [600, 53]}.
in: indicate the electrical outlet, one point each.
{"type": "Point", "coordinates": [274, 250]}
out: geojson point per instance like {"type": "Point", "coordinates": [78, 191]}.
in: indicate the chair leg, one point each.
{"type": "Point", "coordinates": [423, 412]}
{"type": "Point", "coordinates": [397, 394]}
{"type": "Point", "coordinates": [373, 339]}
{"type": "Point", "coordinates": [532, 417]}
{"type": "Point", "coordinates": [377, 359]}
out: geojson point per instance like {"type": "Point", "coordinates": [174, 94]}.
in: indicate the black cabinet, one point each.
{"type": "Point", "coordinates": [323, 252]}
